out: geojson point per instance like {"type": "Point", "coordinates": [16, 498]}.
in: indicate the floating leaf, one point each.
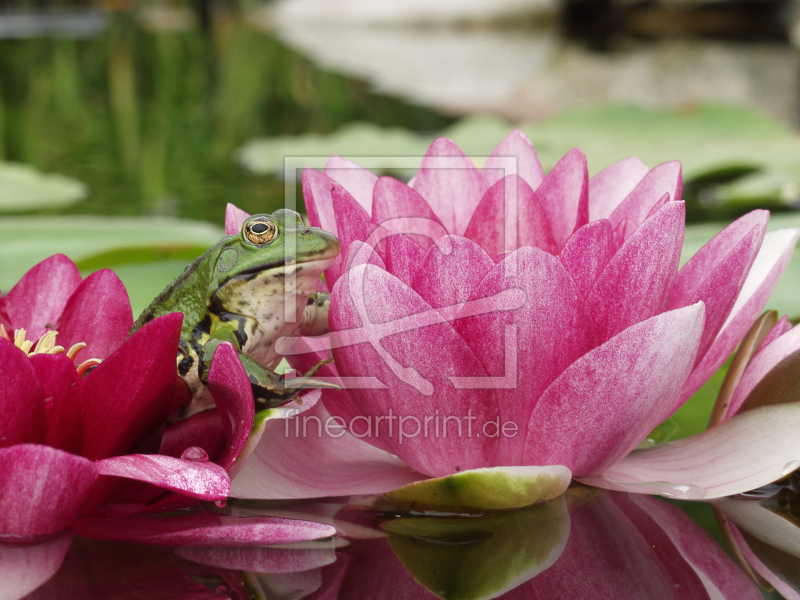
{"type": "Point", "coordinates": [22, 187]}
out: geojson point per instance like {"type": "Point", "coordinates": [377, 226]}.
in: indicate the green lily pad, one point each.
{"type": "Point", "coordinates": [755, 159]}
{"type": "Point", "coordinates": [479, 490]}
{"type": "Point", "coordinates": [22, 187]}
{"type": "Point", "coordinates": [472, 558]}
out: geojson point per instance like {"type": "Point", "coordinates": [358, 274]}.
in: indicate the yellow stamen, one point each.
{"type": "Point", "coordinates": [85, 366]}
{"type": "Point", "coordinates": [19, 337]}
{"type": "Point", "coordinates": [47, 344]}
{"type": "Point", "coordinates": [73, 352]}
{"type": "Point", "coordinates": [26, 346]}
{"type": "Point", "coordinates": [4, 333]}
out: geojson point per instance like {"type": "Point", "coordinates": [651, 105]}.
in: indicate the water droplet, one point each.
{"type": "Point", "coordinates": [684, 492]}
{"type": "Point", "coordinates": [791, 466]}
{"type": "Point", "coordinates": [221, 503]}
{"type": "Point", "coordinates": [195, 454]}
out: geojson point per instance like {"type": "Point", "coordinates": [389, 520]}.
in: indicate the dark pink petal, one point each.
{"type": "Point", "coordinates": [260, 560]}
{"type": "Point", "coordinates": [40, 296]}
{"type": "Point", "coordinates": [639, 204]}
{"type": "Point", "coordinates": [587, 252]}
{"type": "Point", "coordinates": [510, 215]}
{"type": "Point", "coordinates": [450, 271]}
{"type": "Point", "coordinates": [608, 400]}
{"type": "Point", "coordinates": [234, 219]}
{"type": "Point", "coordinates": [450, 183]}
{"type": "Point", "coordinates": [204, 430]}
{"type": "Point", "coordinates": [761, 364]}
{"type": "Point", "coordinates": [203, 529]}
{"type": "Point", "coordinates": [98, 313]}
{"type": "Point", "coordinates": [354, 178]}
{"type": "Point", "coordinates": [361, 253]}
{"type": "Point", "coordinates": [21, 398]}
{"type": "Point", "coordinates": [769, 265]}
{"type": "Point", "coordinates": [233, 395]}
{"type": "Point", "coordinates": [63, 401]}
{"type": "Point", "coordinates": [196, 479]}
{"type": "Point", "coordinates": [397, 207]}
{"type": "Point", "coordinates": [43, 491]}
{"type": "Point", "coordinates": [637, 282]}
{"type": "Point", "coordinates": [565, 196]}
{"type": "Point", "coordinates": [528, 324]}
{"type": "Point", "coordinates": [403, 257]}
{"type": "Point", "coordinates": [134, 390]}
{"type": "Point", "coordinates": [612, 185]}
{"type": "Point", "coordinates": [385, 330]}
{"type": "Point", "coordinates": [513, 156]}
{"type": "Point", "coordinates": [25, 568]}
{"type": "Point", "coordinates": [716, 274]}
{"type": "Point", "coordinates": [310, 456]}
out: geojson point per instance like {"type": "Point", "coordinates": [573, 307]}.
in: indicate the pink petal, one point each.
{"type": "Point", "coordinates": [635, 208]}
{"type": "Point", "coordinates": [716, 274]}
{"type": "Point", "coordinates": [769, 265]}
{"type": "Point", "coordinates": [587, 252]}
{"type": "Point", "coordinates": [403, 257]}
{"type": "Point", "coordinates": [203, 480]}
{"type": "Point", "coordinates": [608, 400]}
{"type": "Point", "coordinates": [260, 560]}
{"type": "Point", "coordinates": [63, 401]}
{"type": "Point", "coordinates": [354, 178]}
{"type": "Point", "coordinates": [40, 296]}
{"type": "Point", "coordinates": [233, 395]}
{"type": "Point", "coordinates": [397, 207]}
{"type": "Point", "coordinates": [98, 313]}
{"type": "Point", "coordinates": [310, 456]}
{"type": "Point", "coordinates": [386, 336]}
{"type": "Point", "coordinates": [234, 219]}
{"type": "Point", "coordinates": [450, 183]}
{"type": "Point", "coordinates": [524, 345]}
{"type": "Point", "coordinates": [131, 392]}
{"type": "Point", "coordinates": [202, 529]}
{"type": "Point", "coordinates": [25, 568]}
{"type": "Point", "coordinates": [565, 194]}
{"type": "Point", "coordinates": [22, 400]}
{"type": "Point", "coordinates": [513, 156]}
{"type": "Point", "coordinates": [750, 450]}
{"type": "Point", "coordinates": [510, 215]}
{"type": "Point", "coordinates": [450, 271]}
{"type": "Point", "coordinates": [761, 364]}
{"type": "Point", "coordinates": [612, 185]}
{"type": "Point", "coordinates": [43, 491]}
{"type": "Point", "coordinates": [637, 282]}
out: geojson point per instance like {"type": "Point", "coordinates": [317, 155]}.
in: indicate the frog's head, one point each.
{"type": "Point", "coordinates": [271, 253]}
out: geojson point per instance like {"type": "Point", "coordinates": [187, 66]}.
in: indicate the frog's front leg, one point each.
{"type": "Point", "coordinates": [269, 388]}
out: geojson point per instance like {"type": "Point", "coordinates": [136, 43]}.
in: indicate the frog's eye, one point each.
{"type": "Point", "coordinates": [260, 231]}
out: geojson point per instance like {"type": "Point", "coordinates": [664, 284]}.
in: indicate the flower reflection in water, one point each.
{"type": "Point", "coordinates": [587, 543]}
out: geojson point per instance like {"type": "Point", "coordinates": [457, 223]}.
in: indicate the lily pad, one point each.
{"type": "Point", "coordinates": [739, 156]}
{"type": "Point", "coordinates": [472, 558]}
{"type": "Point", "coordinates": [479, 490]}
{"type": "Point", "coordinates": [22, 187]}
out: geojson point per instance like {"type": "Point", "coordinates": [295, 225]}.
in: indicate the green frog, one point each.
{"type": "Point", "coordinates": [250, 289]}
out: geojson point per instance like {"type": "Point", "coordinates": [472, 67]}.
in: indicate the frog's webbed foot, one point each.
{"type": "Point", "coordinates": [271, 389]}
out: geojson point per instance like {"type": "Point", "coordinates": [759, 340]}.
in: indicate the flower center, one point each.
{"type": "Point", "coordinates": [47, 345]}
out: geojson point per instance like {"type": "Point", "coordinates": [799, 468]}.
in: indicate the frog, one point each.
{"type": "Point", "coordinates": [250, 289]}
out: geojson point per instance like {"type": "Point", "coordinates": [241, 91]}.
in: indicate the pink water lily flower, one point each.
{"type": "Point", "coordinates": [545, 319]}
{"type": "Point", "coordinates": [72, 439]}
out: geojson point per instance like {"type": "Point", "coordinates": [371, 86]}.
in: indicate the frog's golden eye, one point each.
{"type": "Point", "coordinates": [260, 231]}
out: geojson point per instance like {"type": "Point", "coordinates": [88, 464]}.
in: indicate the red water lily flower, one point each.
{"type": "Point", "coordinates": [69, 434]}
{"type": "Point", "coordinates": [550, 309]}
